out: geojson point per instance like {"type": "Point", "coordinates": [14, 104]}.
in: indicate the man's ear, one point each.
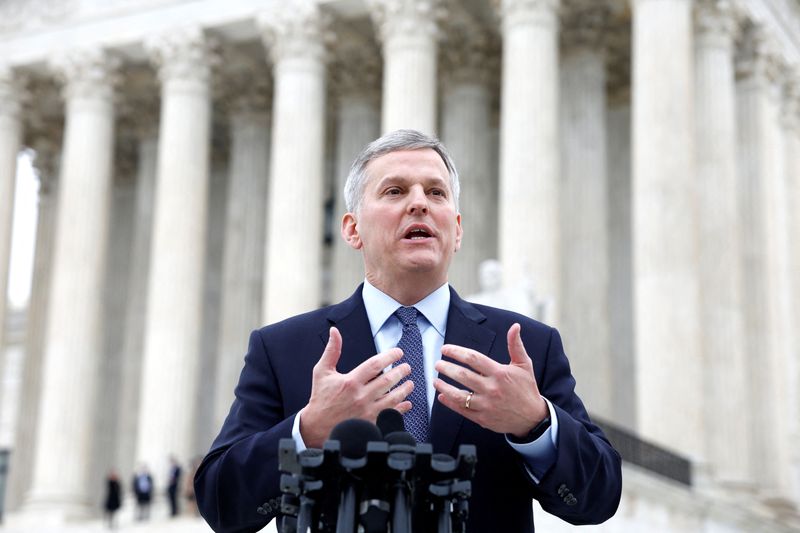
{"type": "Point", "coordinates": [350, 231]}
{"type": "Point", "coordinates": [459, 232]}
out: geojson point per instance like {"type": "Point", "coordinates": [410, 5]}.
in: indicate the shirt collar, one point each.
{"type": "Point", "coordinates": [380, 306]}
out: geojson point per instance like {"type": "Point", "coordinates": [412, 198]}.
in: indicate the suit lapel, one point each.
{"type": "Point", "coordinates": [350, 318]}
{"type": "Point", "coordinates": [464, 328]}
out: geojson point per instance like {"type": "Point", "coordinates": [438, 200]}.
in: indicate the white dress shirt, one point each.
{"type": "Point", "coordinates": [386, 329]}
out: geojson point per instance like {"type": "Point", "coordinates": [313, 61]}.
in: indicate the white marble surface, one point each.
{"type": "Point", "coordinates": [667, 327]}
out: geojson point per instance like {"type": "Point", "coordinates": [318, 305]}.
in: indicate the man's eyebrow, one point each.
{"type": "Point", "coordinates": [394, 178]}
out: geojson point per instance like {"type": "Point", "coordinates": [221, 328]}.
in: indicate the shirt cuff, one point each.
{"type": "Point", "coordinates": [540, 454]}
{"type": "Point", "coordinates": [298, 439]}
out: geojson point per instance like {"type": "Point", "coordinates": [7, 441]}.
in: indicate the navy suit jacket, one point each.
{"type": "Point", "coordinates": [237, 483]}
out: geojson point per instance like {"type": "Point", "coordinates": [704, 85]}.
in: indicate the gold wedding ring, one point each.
{"type": "Point", "coordinates": [469, 397]}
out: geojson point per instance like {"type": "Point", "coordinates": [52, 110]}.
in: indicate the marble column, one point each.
{"type": "Point", "coordinates": [666, 301]}
{"type": "Point", "coordinates": [243, 255]}
{"type": "Point", "coordinates": [10, 144]}
{"type": "Point", "coordinates": [791, 116]}
{"type": "Point", "coordinates": [294, 35]}
{"type": "Point", "coordinates": [623, 403]}
{"type": "Point", "coordinates": [25, 438]}
{"type": "Point", "coordinates": [759, 139]}
{"type": "Point", "coordinates": [73, 341]}
{"type": "Point", "coordinates": [618, 145]}
{"type": "Point", "coordinates": [719, 247]}
{"type": "Point", "coordinates": [467, 107]}
{"type": "Point", "coordinates": [135, 314]}
{"type": "Point", "coordinates": [585, 306]}
{"type": "Point", "coordinates": [407, 30]}
{"type": "Point", "coordinates": [170, 363]}
{"type": "Point", "coordinates": [355, 79]}
{"type": "Point", "coordinates": [528, 203]}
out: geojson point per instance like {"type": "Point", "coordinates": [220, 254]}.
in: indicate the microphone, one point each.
{"type": "Point", "coordinates": [391, 424]}
{"type": "Point", "coordinates": [390, 421]}
{"type": "Point", "coordinates": [306, 509]}
{"type": "Point", "coordinates": [353, 435]}
{"type": "Point", "coordinates": [401, 449]}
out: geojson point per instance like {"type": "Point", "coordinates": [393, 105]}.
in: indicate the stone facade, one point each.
{"type": "Point", "coordinates": [633, 162]}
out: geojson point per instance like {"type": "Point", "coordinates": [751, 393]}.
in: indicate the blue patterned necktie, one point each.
{"type": "Point", "coordinates": [416, 420]}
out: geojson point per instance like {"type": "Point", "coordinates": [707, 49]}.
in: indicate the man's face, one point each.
{"type": "Point", "coordinates": [407, 222]}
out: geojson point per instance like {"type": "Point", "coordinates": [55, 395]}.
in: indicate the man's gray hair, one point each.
{"type": "Point", "coordinates": [394, 141]}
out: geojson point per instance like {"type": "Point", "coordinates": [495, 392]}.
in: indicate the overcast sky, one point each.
{"type": "Point", "coordinates": [24, 233]}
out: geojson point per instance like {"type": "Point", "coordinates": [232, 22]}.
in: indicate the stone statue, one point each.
{"type": "Point", "coordinates": [520, 298]}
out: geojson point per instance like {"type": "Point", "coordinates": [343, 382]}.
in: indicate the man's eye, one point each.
{"type": "Point", "coordinates": [393, 191]}
{"type": "Point", "coordinates": [438, 192]}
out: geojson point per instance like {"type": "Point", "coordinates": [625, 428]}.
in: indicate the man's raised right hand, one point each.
{"type": "Point", "coordinates": [362, 393]}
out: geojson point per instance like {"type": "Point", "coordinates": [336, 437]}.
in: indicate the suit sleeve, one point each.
{"type": "Point", "coordinates": [584, 485]}
{"type": "Point", "coordinates": [237, 484]}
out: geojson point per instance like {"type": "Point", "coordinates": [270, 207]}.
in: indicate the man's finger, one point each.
{"type": "Point", "coordinates": [366, 371]}
{"type": "Point", "coordinates": [452, 395]}
{"type": "Point", "coordinates": [386, 381]}
{"type": "Point", "coordinates": [474, 360]}
{"type": "Point", "coordinates": [403, 407]}
{"type": "Point", "coordinates": [465, 376]}
{"type": "Point", "coordinates": [330, 356]}
{"type": "Point", "coordinates": [516, 349]}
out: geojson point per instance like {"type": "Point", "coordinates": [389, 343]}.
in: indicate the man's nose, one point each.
{"type": "Point", "coordinates": [417, 201]}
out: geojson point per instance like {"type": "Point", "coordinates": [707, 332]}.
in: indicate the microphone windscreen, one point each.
{"type": "Point", "coordinates": [400, 437]}
{"type": "Point", "coordinates": [390, 421]}
{"type": "Point", "coordinates": [353, 435]}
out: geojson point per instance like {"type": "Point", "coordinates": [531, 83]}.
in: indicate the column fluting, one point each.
{"type": "Point", "coordinates": [759, 140]}
{"type": "Point", "coordinates": [177, 252]}
{"type": "Point", "coordinates": [467, 62]}
{"type": "Point", "coordinates": [408, 32]}
{"type": "Point", "coordinates": [528, 203]}
{"type": "Point", "coordinates": [243, 255]}
{"type": "Point", "coordinates": [355, 80]}
{"type": "Point", "coordinates": [585, 307]}
{"type": "Point", "coordinates": [719, 247]}
{"type": "Point", "coordinates": [666, 301]}
{"type": "Point", "coordinates": [73, 341]}
{"type": "Point", "coordinates": [294, 34]}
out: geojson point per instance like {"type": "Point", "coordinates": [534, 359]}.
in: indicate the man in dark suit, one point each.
{"type": "Point", "coordinates": [469, 374]}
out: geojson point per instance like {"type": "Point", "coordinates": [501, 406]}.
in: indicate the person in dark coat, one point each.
{"type": "Point", "coordinates": [173, 485]}
{"type": "Point", "coordinates": [113, 497]}
{"type": "Point", "coordinates": [143, 489]}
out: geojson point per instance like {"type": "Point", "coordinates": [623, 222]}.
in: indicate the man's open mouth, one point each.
{"type": "Point", "coordinates": [417, 234]}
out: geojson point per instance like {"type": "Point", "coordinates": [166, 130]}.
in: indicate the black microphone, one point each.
{"type": "Point", "coordinates": [390, 421]}
{"type": "Point", "coordinates": [306, 509]}
{"type": "Point", "coordinates": [353, 435]}
{"type": "Point", "coordinates": [401, 444]}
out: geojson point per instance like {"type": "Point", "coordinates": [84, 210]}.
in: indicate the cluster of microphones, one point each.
{"type": "Point", "coordinates": [374, 479]}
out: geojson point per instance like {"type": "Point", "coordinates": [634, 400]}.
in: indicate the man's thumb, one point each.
{"type": "Point", "coordinates": [330, 357]}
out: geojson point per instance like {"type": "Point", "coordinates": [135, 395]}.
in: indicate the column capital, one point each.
{"type": "Point", "coordinates": [405, 17]}
{"type": "Point", "coordinates": [357, 66]}
{"type": "Point", "coordinates": [295, 29]}
{"type": "Point", "coordinates": [183, 54]}
{"type": "Point", "coordinates": [469, 52]}
{"type": "Point", "coordinates": [245, 84]}
{"type": "Point", "coordinates": [716, 22]}
{"type": "Point", "coordinates": [514, 12]}
{"type": "Point", "coordinates": [585, 25]}
{"type": "Point", "coordinates": [13, 93]}
{"type": "Point", "coordinates": [90, 73]}
{"type": "Point", "coordinates": [757, 57]}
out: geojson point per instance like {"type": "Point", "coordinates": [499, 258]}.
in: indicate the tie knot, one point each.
{"type": "Point", "coordinates": [407, 315]}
